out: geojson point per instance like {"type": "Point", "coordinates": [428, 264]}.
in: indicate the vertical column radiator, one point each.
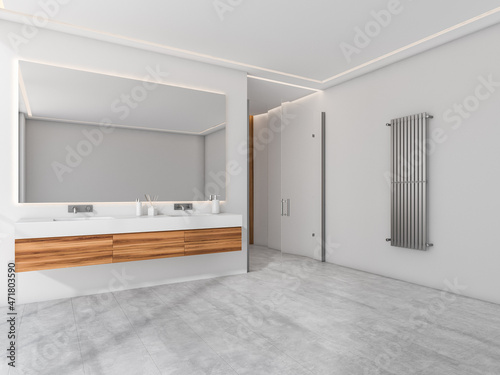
{"type": "Point", "coordinates": [409, 224]}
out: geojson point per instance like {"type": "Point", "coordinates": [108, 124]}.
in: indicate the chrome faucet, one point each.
{"type": "Point", "coordinates": [183, 206]}
{"type": "Point", "coordinates": [81, 208]}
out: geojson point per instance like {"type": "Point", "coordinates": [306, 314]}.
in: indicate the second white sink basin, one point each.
{"type": "Point", "coordinates": [83, 218]}
{"type": "Point", "coordinates": [188, 215]}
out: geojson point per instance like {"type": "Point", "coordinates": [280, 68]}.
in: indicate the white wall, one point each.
{"type": "Point", "coordinates": [215, 164]}
{"type": "Point", "coordinates": [464, 167]}
{"type": "Point", "coordinates": [121, 166]}
{"type": "Point", "coordinates": [81, 53]}
{"type": "Point", "coordinates": [260, 180]}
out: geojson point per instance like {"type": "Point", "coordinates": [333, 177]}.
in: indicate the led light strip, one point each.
{"type": "Point", "coordinates": [282, 83]}
{"type": "Point", "coordinates": [92, 123]}
{"type": "Point", "coordinates": [244, 65]}
{"type": "Point", "coordinates": [165, 47]}
{"type": "Point", "coordinates": [212, 129]}
{"type": "Point", "coordinates": [421, 41]}
{"type": "Point", "coordinates": [22, 87]}
{"type": "Point", "coordinates": [130, 77]}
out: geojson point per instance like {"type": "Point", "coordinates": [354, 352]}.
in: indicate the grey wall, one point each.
{"type": "Point", "coordinates": [215, 164]}
{"type": "Point", "coordinates": [104, 166]}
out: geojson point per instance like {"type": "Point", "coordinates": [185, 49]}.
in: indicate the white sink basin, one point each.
{"type": "Point", "coordinates": [106, 223]}
{"type": "Point", "coordinates": [187, 214]}
{"type": "Point", "coordinates": [83, 218]}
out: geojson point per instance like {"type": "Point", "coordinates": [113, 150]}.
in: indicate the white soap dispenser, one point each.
{"type": "Point", "coordinates": [215, 204]}
{"type": "Point", "coordinates": [138, 208]}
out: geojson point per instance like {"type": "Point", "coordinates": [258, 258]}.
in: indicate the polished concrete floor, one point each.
{"type": "Point", "coordinates": [289, 316]}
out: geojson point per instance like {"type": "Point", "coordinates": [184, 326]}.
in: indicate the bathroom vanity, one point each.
{"type": "Point", "coordinates": [43, 244]}
{"type": "Point", "coordinates": [70, 149]}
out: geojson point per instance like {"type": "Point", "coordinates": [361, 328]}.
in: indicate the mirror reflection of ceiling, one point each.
{"type": "Point", "coordinates": [69, 95]}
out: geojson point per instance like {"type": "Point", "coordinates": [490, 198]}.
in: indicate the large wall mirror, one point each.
{"type": "Point", "coordinates": [89, 137]}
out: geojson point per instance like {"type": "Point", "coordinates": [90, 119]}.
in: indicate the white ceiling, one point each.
{"type": "Point", "coordinates": [265, 95]}
{"type": "Point", "coordinates": [78, 96]}
{"type": "Point", "coordinates": [298, 42]}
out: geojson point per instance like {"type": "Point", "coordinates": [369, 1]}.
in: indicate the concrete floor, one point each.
{"type": "Point", "coordinates": [290, 316]}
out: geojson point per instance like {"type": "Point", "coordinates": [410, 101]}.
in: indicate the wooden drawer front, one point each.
{"type": "Point", "coordinates": [147, 251]}
{"type": "Point", "coordinates": [142, 246]}
{"type": "Point", "coordinates": [209, 247]}
{"type": "Point", "coordinates": [129, 240]}
{"type": "Point", "coordinates": [62, 252]}
{"type": "Point", "coordinates": [216, 234]}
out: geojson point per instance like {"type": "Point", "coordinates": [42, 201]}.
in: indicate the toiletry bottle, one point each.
{"type": "Point", "coordinates": [215, 204]}
{"type": "Point", "coordinates": [138, 208]}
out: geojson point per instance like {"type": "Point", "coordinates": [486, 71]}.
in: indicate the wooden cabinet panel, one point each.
{"type": "Point", "coordinates": [215, 240]}
{"type": "Point", "coordinates": [142, 246]}
{"type": "Point", "coordinates": [62, 252]}
{"type": "Point", "coordinates": [133, 239]}
{"type": "Point", "coordinates": [209, 247]}
{"type": "Point", "coordinates": [213, 234]}
{"type": "Point", "coordinates": [145, 252]}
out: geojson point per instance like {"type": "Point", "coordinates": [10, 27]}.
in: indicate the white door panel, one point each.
{"type": "Point", "coordinates": [301, 179]}
{"type": "Point", "coordinates": [274, 178]}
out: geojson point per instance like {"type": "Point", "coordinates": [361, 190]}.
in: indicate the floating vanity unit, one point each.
{"type": "Point", "coordinates": [45, 244]}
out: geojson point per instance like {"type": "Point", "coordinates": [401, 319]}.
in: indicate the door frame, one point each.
{"type": "Point", "coordinates": [250, 182]}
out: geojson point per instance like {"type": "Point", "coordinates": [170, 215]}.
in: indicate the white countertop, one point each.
{"type": "Point", "coordinates": [47, 227]}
